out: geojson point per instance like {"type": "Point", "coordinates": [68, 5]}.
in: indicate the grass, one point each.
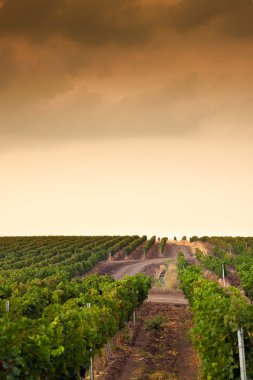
{"type": "Point", "coordinates": [171, 277]}
{"type": "Point", "coordinates": [154, 323]}
{"type": "Point", "coordinates": [161, 375]}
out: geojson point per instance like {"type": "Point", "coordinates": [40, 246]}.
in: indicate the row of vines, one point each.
{"type": "Point", "coordinates": [50, 333]}
{"type": "Point", "coordinates": [231, 251]}
{"type": "Point", "coordinates": [218, 314]}
{"type": "Point", "coordinates": [23, 259]}
{"type": "Point", "coordinates": [57, 319]}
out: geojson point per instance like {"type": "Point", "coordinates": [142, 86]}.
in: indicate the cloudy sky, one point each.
{"type": "Point", "coordinates": [126, 116]}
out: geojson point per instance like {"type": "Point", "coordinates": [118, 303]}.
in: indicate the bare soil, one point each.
{"type": "Point", "coordinates": [175, 297]}
{"type": "Point", "coordinates": [120, 255]}
{"type": "Point", "coordinates": [119, 269]}
{"type": "Point", "coordinates": [163, 353]}
{"type": "Point", "coordinates": [119, 266]}
{"type": "Point", "coordinates": [233, 277]}
{"type": "Point", "coordinates": [153, 252]}
{"type": "Point", "coordinates": [137, 254]}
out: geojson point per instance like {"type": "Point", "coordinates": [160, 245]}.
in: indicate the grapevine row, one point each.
{"type": "Point", "coordinates": [51, 333]}
{"type": "Point", "coordinates": [218, 314]}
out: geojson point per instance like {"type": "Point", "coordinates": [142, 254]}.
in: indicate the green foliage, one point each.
{"type": "Point", "coordinates": [123, 243]}
{"type": "Point", "coordinates": [182, 263]}
{"type": "Point", "coordinates": [131, 247]}
{"type": "Point", "coordinates": [24, 258]}
{"type": "Point", "coordinates": [213, 263]}
{"type": "Point", "coordinates": [218, 314]}
{"type": "Point", "coordinates": [50, 332]}
{"type": "Point", "coordinates": [194, 238]}
{"type": "Point", "coordinates": [235, 251]}
{"type": "Point", "coordinates": [244, 266]}
{"type": "Point", "coordinates": [149, 244]}
{"type": "Point", "coordinates": [188, 275]}
{"type": "Point", "coordinates": [58, 338]}
{"type": "Point", "coordinates": [162, 244]}
{"type": "Point", "coordinates": [154, 323]}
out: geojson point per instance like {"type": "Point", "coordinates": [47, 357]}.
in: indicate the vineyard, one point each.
{"type": "Point", "coordinates": [220, 309]}
{"type": "Point", "coordinates": [234, 253]}
{"type": "Point", "coordinates": [55, 315]}
{"type": "Point", "coordinates": [53, 319]}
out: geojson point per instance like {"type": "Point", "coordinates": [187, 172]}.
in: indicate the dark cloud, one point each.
{"type": "Point", "coordinates": [87, 21]}
{"type": "Point", "coordinates": [123, 67]}
{"type": "Point", "coordinates": [183, 106]}
{"type": "Point", "coordinates": [190, 14]}
{"type": "Point", "coordinates": [126, 22]}
{"type": "Point", "coordinates": [229, 17]}
{"type": "Point", "coordinates": [26, 17]}
{"type": "Point", "coordinates": [239, 21]}
{"type": "Point", "coordinates": [8, 67]}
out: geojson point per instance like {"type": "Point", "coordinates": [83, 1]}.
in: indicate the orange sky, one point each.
{"type": "Point", "coordinates": [126, 116]}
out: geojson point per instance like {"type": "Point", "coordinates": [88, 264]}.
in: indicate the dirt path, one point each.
{"type": "Point", "coordinates": [172, 250]}
{"type": "Point", "coordinates": [120, 268]}
{"type": "Point", "coordinates": [175, 297]}
{"type": "Point", "coordinates": [159, 352]}
{"type": "Point", "coordinates": [133, 267]}
{"type": "Point", "coordinates": [162, 353]}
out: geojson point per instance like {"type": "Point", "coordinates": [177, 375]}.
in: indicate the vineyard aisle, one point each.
{"type": "Point", "coordinates": [163, 350]}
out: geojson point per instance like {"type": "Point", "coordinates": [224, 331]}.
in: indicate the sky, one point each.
{"type": "Point", "coordinates": [126, 117]}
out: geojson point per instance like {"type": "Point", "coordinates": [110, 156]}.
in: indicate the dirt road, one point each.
{"type": "Point", "coordinates": [121, 268]}
{"type": "Point", "coordinates": [130, 268]}
{"type": "Point", "coordinates": [175, 297]}
{"type": "Point", "coordinates": [158, 353]}
{"type": "Point", "coordinates": [172, 250]}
